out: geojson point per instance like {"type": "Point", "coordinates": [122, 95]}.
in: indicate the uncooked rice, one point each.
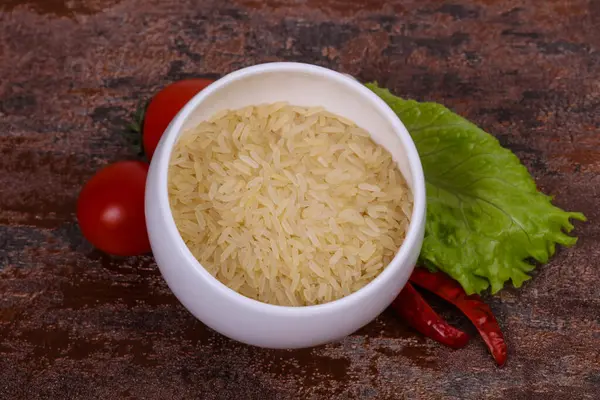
{"type": "Point", "coordinates": [288, 205]}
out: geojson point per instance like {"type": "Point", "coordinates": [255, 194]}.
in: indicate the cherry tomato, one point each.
{"type": "Point", "coordinates": [164, 107]}
{"type": "Point", "coordinates": [110, 209]}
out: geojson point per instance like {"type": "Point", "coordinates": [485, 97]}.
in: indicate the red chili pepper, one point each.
{"type": "Point", "coordinates": [413, 308]}
{"type": "Point", "coordinates": [472, 306]}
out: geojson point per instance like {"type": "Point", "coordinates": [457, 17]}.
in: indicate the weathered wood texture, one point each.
{"type": "Point", "coordinates": [75, 324]}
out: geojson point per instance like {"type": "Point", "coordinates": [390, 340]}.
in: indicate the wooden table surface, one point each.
{"type": "Point", "coordinates": [76, 324]}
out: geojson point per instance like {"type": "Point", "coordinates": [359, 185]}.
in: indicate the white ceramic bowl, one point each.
{"type": "Point", "coordinates": [251, 321]}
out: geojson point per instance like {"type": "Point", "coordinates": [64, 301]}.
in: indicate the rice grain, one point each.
{"type": "Point", "coordinates": [288, 205]}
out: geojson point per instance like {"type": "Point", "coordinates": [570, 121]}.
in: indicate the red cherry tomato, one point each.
{"type": "Point", "coordinates": [110, 209]}
{"type": "Point", "coordinates": [164, 107]}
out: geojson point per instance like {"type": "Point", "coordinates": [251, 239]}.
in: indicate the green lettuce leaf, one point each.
{"type": "Point", "coordinates": [486, 220]}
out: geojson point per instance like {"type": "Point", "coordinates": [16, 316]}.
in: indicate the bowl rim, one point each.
{"type": "Point", "coordinates": [411, 240]}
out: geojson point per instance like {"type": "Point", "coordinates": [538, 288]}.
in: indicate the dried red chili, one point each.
{"type": "Point", "coordinates": [472, 306]}
{"type": "Point", "coordinates": [413, 308]}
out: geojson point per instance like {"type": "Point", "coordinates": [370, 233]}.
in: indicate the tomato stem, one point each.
{"type": "Point", "coordinates": [136, 126]}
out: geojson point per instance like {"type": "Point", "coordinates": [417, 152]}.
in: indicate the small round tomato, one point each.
{"type": "Point", "coordinates": [110, 209]}
{"type": "Point", "coordinates": [164, 107]}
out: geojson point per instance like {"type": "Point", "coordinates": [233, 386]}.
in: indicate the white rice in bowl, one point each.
{"type": "Point", "coordinates": [288, 205]}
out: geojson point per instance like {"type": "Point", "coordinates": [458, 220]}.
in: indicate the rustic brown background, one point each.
{"type": "Point", "coordinates": [75, 324]}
